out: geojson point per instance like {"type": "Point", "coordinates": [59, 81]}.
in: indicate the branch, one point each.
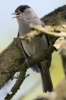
{"type": "Point", "coordinates": [10, 58]}
{"type": "Point", "coordinates": [57, 31]}
{"type": "Point", "coordinates": [17, 84]}
{"type": "Point", "coordinates": [50, 30]}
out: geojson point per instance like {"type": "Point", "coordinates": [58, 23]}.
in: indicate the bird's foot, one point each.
{"type": "Point", "coordinates": [27, 61]}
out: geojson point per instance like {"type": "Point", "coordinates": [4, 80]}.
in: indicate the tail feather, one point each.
{"type": "Point", "coordinates": [46, 78]}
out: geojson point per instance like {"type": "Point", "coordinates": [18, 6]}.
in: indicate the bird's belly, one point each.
{"type": "Point", "coordinates": [36, 46]}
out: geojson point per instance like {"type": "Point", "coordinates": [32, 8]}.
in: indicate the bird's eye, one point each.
{"type": "Point", "coordinates": [17, 13]}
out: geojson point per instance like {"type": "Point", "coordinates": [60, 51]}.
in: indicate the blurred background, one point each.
{"type": "Point", "coordinates": [31, 87]}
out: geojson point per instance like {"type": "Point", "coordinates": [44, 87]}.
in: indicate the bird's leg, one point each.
{"type": "Point", "coordinates": [27, 60]}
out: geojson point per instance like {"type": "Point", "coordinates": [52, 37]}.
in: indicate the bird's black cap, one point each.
{"type": "Point", "coordinates": [22, 8]}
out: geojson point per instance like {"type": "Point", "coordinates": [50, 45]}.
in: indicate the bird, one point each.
{"type": "Point", "coordinates": [26, 16]}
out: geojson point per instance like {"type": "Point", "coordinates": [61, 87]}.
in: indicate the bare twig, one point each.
{"type": "Point", "coordinates": [17, 84]}
{"type": "Point", "coordinates": [53, 31]}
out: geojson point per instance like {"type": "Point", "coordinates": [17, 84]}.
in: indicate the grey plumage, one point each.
{"type": "Point", "coordinates": [25, 16]}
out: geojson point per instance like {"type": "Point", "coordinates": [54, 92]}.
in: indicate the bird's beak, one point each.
{"type": "Point", "coordinates": [17, 15]}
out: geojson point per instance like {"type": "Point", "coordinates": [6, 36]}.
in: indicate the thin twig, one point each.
{"type": "Point", "coordinates": [53, 31]}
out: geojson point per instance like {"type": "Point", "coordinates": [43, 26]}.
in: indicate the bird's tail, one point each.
{"type": "Point", "coordinates": [46, 78]}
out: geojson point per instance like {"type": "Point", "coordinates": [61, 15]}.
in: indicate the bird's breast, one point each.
{"type": "Point", "coordinates": [35, 46]}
